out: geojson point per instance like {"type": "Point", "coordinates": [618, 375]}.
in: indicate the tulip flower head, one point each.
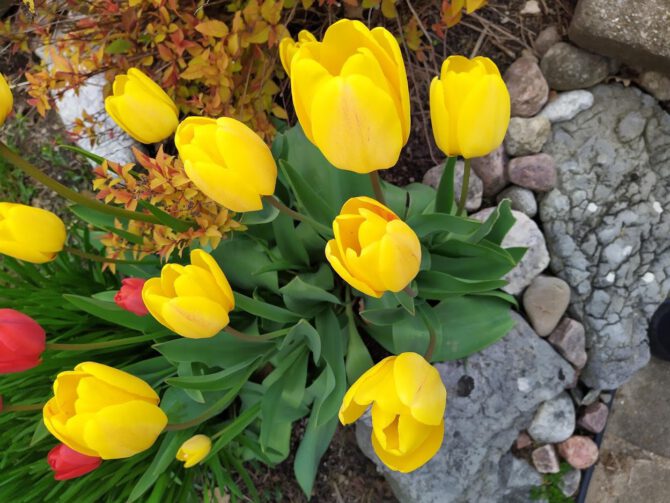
{"type": "Point", "coordinates": [6, 100]}
{"type": "Point", "coordinates": [350, 94]}
{"type": "Point", "coordinates": [373, 250]}
{"type": "Point", "coordinates": [104, 412]}
{"type": "Point", "coordinates": [141, 108]}
{"type": "Point", "coordinates": [69, 464]}
{"type": "Point", "coordinates": [31, 234]}
{"type": "Point", "coordinates": [408, 400]}
{"type": "Point", "coordinates": [194, 450]}
{"type": "Point", "coordinates": [129, 297]}
{"type": "Point", "coordinates": [469, 107]}
{"type": "Point", "coordinates": [227, 161]}
{"type": "Point", "coordinates": [193, 300]}
{"type": "Point", "coordinates": [22, 342]}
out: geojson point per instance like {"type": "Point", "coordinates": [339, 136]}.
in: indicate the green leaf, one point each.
{"type": "Point", "coordinates": [358, 357]}
{"type": "Point", "coordinates": [216, 381]}
{"type": "Point", "coordinates": [240, 259]}
{"type": "Point", "coordinates": [488, 266]}
{"type": "Point", "coordinates": [429, 223]}
{"type": "Point", "coordinates": [384, 316]}
{"type": "Point", "coordinates": [118, 46]}
{"type": "Point", "coordinates": [107, 296]}
{"type": "Point", "coordinates": [264, 216]}
{"type": "Point", "coordinates": [264, 309]}
{"type": "Point", "coordinates": [405, 300]}
{"type": "Point", "coordinates": [165, 455]}
{"type": "Point", "coordinates": [330, 332]}
{"type": "Point", "coordinates": [306, 298]}
{"type": "Point", "coordinates": [497, 225]}
{"type": "Point", "coordinates": [303, 331]}
{"type": "Point", "coordinates": [471, 324]}
{"type": "Point", "coordinates": [291, 248]}
{"type": "Point", "coordinates": [78, 150]}
{"type": "Point", "coordinates": [109, 311]}
{"type": "Point", "coordinates": [306, 194]}
{"type": "Point", "coordinates": [437, 285]}
{"type": "Point", "coordinates": [422, 199]}
{"type": "Point", "coordinates": [444, 201]}
{"type": "Point", "coordinates": [233, 429]}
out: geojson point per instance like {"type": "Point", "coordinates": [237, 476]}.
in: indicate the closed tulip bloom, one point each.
{"type": "Point", "coordinates": [192, 301]}
{"type": "Point", "coordinates": [31, 234]}
{"type": "Point", "coordinates": [129, 297]}
{"type": "Point", "coordinates": [408, 401]}
{"type": "Point", "coordinates": [469, 107]}
{"type": "Point", "coordinates": [69, 464]}
{"type": "Point", "coordinates": [288, 48]}
{"type": "Point", "coordinates": [350, 94]}
{"type": "Point", "coordinates": [141, 108]}
{"type": "Point", "coordinates": [227, 161]}
{"type": "Point", "coordinates": [22, 342]}
{"type": "Point", "coordinates": [104, 412]}
{"type": "Point", "coordinates": [373, 250]}
{"type": "Point", "coordinates": [194, 450]}
{"type": "Point", "coordinates": [6, 99]}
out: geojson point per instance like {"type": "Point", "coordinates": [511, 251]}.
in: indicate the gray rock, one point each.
{"type": "Point", "coordinates": [545, 459]}
{"type": "Point", "coordinates": [657, 84]}
{"type": "Point", "coordinates": [535, 172]}
{"type": "Point", "coordinates": [607, 226]}
{"type": "Point", "coordinates": [568, 339]}
{"type": "Point", "coordinates": [492, 170]}
{"type": "Point", "coordinates": [636, 33]}
{"type": "Point", "coordinates": [524, 233]}
{"type": "Point", "coordinates": [566, 105]}
{"type": "Point", "coordinates": [554, 421]}
{"type": "Point", "coordinates": [590, 397]}
{"type": "Point", "coordinates": [527, 87]}
{"type": "Point", "coordinates": [475, 187]}
{"type": "Point", "coordinates": [545, 302]}
{"type": "Point", "coordinates": [511, 378]}
{"type": "Point", "coordinates": [567, 67]}
{"type": "Point", "coordinates": [526, 136]}
{"type": "Point", "coordinates": [570, 482]}
{"type": "Point", "coordinates": [522, 200]}
{"type": "Point", "coordinates": [545, 39]}
{"type": "Point", "coordinates": [518, 477]}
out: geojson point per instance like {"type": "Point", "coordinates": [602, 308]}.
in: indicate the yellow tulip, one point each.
{"type": "Point", "coordinates": [373, 250]}
{"type": "Point", "coordinates": [194, 450]}
{"type": "Point", "coordinates": [141, 108]}
{"type": "Point", "coordinates": [6, 100]}
{"type": "Point", "coordinates": [31, 234]}
{"type": "Point", "coordinates": [102, 411]}
{"type": "Point", "coordinates": [192, 301]}
{"type": "Point", "coordinates": [227, 161]}
{"type": "Point", "coordinates": [469, 107]}
{"type": "Point", "coordinates": [288, 48]}
{"type": "Point", "coordinates": [408, 401]}
{"type": "Point", "coordinates": [350, 94]}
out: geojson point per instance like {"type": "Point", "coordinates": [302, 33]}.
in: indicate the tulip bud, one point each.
{"type": "Point", "coordinates": [31, 234]}
{"type": "Point", "coordinates": [469, 107]}
{"type": "Point", "coordinates": [350, 94]}
{"type": "Point", "coordinates": [194, 450]}
{"type": "Point", "coordinates": [6, 100]}
{"type": "Point", "coordinates": [192, 301]}
{"type": "Point", "coordinates": [227, 161]}
{"type": "Point", "coordinates": [69, 464]}
{"type": "Point", "coordinates": [104, 412]}
{"type": "Point", "coordinates": [373, 250]}
{"type": "Point", "coordinates": [141, 108]}
{"type": "Point", "coordinates": [22, 342]}
{"type": "Point", "coordinates": [129, 297]}
{"type": "Point", "coordinates": [408, 400]}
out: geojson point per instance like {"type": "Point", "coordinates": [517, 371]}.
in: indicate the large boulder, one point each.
{"type": "Point", "coordinates": [634, 32]}
{"type": "Point", "coordinates": [607, 225]}
{"type": "Point", "coordinates": [490, 399]}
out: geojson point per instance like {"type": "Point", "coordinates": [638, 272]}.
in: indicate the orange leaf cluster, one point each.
{"type": "Point", "coordinates": [162, 183]}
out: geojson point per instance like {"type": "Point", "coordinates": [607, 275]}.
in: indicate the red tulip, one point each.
{"type": "Point", "coordinates": [22, 341]}
{"type": "Point", "coordinates": [130, 296]}
{"type": "Point", "coordinates": [69, 464]}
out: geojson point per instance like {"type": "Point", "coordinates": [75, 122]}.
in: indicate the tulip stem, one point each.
{"type": "Point", "coordinates": [377, 187]}
{"type": "Point", "coordinates": [409, 291]}
{"type": "Point", "coordinates": [433, 336]}
{"type": "Point", "coordinates": [67, 193]}
{"type": "Point", "coordinates": [255, 338]}
{"type": "Point", "coordinates": [21, 408]}
{"type": "Point", "coordinates": [55, 346]}
{"type": "Point", "coordinates": [464, 187]}
{"type": "Point", "coordinates": [298, 216]}
{"type": "Point", "coordinates": [104, 260]}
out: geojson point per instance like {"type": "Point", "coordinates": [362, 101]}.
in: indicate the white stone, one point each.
{"type": "Point", "coordinates": [648, 277]}
{"type": "Point", "coordinates": [567, 105]}
{"type": "Point", "coordinates": [523, 384]}
{"type": "Point", "coordinates": [592, 207]}
{"type": "Point", "coordinates": [610, 277]}
{"type": "Point", "coordinates": [531, 7]}
{"type": "Point", "coordinates": [657, 207]}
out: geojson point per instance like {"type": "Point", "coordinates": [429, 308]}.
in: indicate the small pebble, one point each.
{"type": "Point", "coordinates": [545, 302]}
{"type": "Point", "coordinates": [579, 451]}
{"type": "Point", "coordinates": [648, 277]}
{"type": "Point", "coordinates": [594, 417]}
{"type": "Point", "coordinates": [610, 277]}
{"type": "Point", "coordinates": [545, 459]}
{"type": "Point", "coordinates": [657, 207]}
{"type": "Point", "coordinates": [592, 207]}
{"type": "Point", "coordinates": [570, 482]}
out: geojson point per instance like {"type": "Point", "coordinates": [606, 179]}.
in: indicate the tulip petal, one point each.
{"type": "Point", "coordinates": [307, 77]}
{"type": "Point", "coordinates": [65, 391]}
{"type": "Point", "coordinates": [412, 433]}
{"type": "Point", "coordinates": [352, 409]}
{"type": "Point", "coordinates": [355, 204]}
{"type": "Point", "coordinates": [355, 125]}
{"type": "Point", "coordinates": [94, 394]}
{"type": "Point", "coordinates": [197, 282]}
{"type": "Point", "coordinates": [169, 275]}
{"type": "Point", "coordinates": [409, 462]}
{"type": "Point", "coordinates": [336, 261]}
{"type": "Point", "coordinates": [152, 88]}
{"type": "Point", "coordinates": [153, 299]}
{"type": "Point", "coordinates": [484, 117]}
{"type": "Point", "coordinates": [142, 116]}
{"type": "Point", "coordinates": [121, 431]}
{"type": "Point", "coordinates": [21, 252]}
{"type": "Point", "coordinates": [399, 256]}
{"type": "Point", "coordinates": [381, 420]}
{"type": "Point", "coordinates": [440, 119]}
{"type": "Point", "coordinates": [345, 229]}
{"type": "Point", "coordinates": [365, 266]}
{"type": "Point", "coordinates": [203, 259]}
{"type": "Point", "coordinates": [372, 229]}
{"type": "Point", "coordinates": [419, 387]}
{"type": "Point", "coordinates": [119, 379]}
{"type": "Point", "coordinates": [195, 317]}
{"type": "Point", "coordinates": [55, 422]}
